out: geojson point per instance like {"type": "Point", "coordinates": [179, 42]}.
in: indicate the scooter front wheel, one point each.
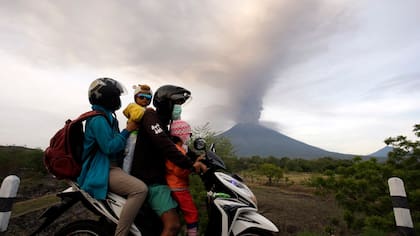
{"type": "Point", "coordinates": [83, 228]}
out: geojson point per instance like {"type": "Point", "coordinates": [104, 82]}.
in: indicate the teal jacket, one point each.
{"type": "Point", "coordinates": [103, 143]}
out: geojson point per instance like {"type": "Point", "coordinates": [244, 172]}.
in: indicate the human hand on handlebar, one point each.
{"type": "Point", "coordinates": [199, 166]}
{"type": "Point", "coordinates": [201, 157]}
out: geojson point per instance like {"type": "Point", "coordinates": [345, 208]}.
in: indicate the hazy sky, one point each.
{"type": "Point", "coordinates": [339, 75]}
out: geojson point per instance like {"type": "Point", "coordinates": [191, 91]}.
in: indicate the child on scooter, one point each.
{"type": "Point", "coordinates": [134, 111]}
{"type": "Point", "coordinates": [178, 180]}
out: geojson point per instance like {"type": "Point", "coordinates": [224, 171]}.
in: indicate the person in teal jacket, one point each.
{"type": "Point", "coordinates": [103, 146]}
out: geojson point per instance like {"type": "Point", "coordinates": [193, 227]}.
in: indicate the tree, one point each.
{"type": "Point", "coordinates": [361, 188]}
{"type": "Point", "coordinates": [404, 161]}
{"type": "Point", "coordinates": [224, 147]}
{"type": "Point", "coordinates": [271, 171]}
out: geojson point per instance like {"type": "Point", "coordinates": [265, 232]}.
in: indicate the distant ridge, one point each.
{"type": "Point", "coordinates": [254, 139]}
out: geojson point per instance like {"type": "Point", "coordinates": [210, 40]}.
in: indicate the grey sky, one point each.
{"type": "Point", "coordinates": [340, 75]}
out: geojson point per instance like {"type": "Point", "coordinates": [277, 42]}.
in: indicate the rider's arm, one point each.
{"type": "Point", "coordinates": [107, 139]}
{"type": "Point", "coordinates": [161, 140]}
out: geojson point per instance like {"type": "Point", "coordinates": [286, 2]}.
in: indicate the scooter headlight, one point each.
{"type": "Point", "coordinates": [238, 187]}
{"type": "Point", "coordinates": [245, 191]}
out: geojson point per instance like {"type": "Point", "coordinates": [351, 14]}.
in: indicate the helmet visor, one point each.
{"type": "Point", "coordinates": [181, 98]}
{"type": "Point", "coordinates": [187, 101]}
{"type": "Point", "coordinates": [123, 90]}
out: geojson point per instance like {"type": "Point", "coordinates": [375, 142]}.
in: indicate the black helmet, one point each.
{"type": "Point", "coordinates": [168, 95]}
{"type": "Point", "coordinates": [106, 92]}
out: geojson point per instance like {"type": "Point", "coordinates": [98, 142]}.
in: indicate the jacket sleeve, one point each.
{"type": "Point", "coordinates": [109, 141]}
{"type": "Point", "coordinates": [134, 112]}
{"type": "Point", "coordinates": [161, 140]}
{"type": "Point", "coordinates": [176, 170]}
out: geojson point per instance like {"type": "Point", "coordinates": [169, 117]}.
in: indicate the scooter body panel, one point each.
{"type": "Point", "coordinates": [236, 217]}
{"type": "Point", "coordinates": [247, 219]}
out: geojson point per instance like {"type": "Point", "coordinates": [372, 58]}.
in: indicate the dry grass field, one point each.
{"type": "Point", "coordinates": [295, 208]}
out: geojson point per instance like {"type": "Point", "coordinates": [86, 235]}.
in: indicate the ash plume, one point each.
{"type": "Point", "coordinates": [241, 47]}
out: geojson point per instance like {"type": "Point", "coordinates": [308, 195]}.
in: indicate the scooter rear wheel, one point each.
{"type": "Point", "coordinates": [83, 228]}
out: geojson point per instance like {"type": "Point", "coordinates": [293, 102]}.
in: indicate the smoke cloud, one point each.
{"type": "Point", "coordinates": [241, 48]}
{"type": "Point", "coordinates": [313, 69]}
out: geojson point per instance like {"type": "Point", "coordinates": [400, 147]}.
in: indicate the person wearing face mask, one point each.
{"type": "Point", "coordinates": [154, 146]}
{"type": "Point", "coordinates": [178, 178]}
{"type": "Point", "coordinates": [176, 112]}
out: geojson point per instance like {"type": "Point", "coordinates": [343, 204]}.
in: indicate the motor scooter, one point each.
{"type": "Point", "coordinates": [231, 207]}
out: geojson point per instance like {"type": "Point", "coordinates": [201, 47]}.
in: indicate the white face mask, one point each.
{"type": "Point", "coordinates": [185, 147]}
{"type": "Point", "coordinates": [176, 112]}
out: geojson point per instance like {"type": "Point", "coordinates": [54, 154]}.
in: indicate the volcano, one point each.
{"type": "Point", "coordinates": [382, 153]}
{"type": "Point", "coordinates": [256, 140]}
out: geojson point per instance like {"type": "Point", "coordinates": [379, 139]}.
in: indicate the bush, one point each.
{"type": "Point", "coordinates": [362, 188]}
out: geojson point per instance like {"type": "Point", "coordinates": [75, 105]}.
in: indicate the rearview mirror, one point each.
{"type": "Point", "coordinates": [200, 144]}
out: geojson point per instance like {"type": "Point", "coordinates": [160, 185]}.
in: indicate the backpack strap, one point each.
{"type": "Point", "coordinates": [84, 117]}
{"type": "Point", "coordinates": [92, 113]}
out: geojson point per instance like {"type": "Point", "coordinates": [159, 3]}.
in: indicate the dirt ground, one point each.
{"type": "Point", "coordinates": [295, 209]}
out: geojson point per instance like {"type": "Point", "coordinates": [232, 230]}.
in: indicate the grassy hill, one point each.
{"type": "Point", "coordinates": [26, 163]}
{"type": "Point", "coordinates": [15, 160]}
